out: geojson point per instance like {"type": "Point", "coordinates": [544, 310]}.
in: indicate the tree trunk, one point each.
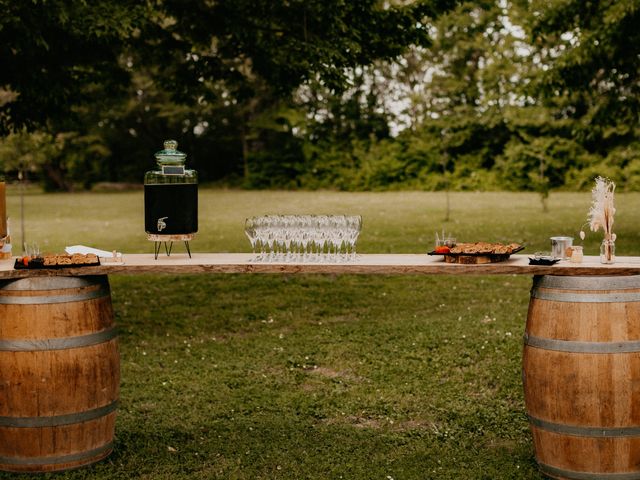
{"type": "Point", "coordinates": [56, 178]}
{"type": "Point", "coordinates": [245, 152]}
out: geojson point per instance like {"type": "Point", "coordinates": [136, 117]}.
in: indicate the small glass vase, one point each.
{"type": "Point", "coordinates": [608, 251]}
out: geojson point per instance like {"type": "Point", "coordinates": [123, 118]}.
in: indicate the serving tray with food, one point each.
{"type": "Point", "coordinates": [477, 252]}
{"type": "Point", "coordinates": [57, 261]}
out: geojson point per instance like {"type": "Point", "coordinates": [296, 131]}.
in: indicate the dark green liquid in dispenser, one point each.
{"type": "Point", "coordinates": [171, 209]}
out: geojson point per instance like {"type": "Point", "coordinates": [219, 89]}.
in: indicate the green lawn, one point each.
{"type": "Point", "coordinates": [321, 377]}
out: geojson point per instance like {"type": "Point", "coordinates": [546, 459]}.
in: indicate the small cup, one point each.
{"type": "Point", "coordinates": [576, 254]}
{"type": "Point", "coordinates": [32, 249]}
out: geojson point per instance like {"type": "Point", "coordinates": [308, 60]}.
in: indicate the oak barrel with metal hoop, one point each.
{"type": "Point", "coordinates": [581, 374]}
{"type": "Point", "coordinates": [59, 373]}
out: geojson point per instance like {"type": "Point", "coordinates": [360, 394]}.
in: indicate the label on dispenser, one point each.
{"type": "Point", "coordinates": [173, 169]}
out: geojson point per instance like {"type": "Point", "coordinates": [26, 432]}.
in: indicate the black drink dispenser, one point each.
{"type": "Point", "coordinates": [170, 199]}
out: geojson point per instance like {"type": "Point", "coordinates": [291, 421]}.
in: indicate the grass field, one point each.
{"type": "Point", "coordinates": [321, 377]}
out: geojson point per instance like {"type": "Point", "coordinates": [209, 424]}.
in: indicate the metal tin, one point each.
{"type": "Point", "coordinates": [560, 245]}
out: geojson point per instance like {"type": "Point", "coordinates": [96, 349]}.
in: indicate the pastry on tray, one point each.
{"type": "Point", "coordinates": [484, 248]}
{"type": "Point", "coordinates": [75, 259]}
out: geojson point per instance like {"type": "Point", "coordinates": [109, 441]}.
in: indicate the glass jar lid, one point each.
{"type": "Point", "coordinates": [170, 155]}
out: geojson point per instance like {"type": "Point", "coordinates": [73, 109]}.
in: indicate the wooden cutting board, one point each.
{"type": "Point", "coordinates": [476, 259]}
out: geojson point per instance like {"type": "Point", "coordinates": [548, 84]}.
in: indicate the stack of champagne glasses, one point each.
{"type": "Point", "coordinates": [303, 238]}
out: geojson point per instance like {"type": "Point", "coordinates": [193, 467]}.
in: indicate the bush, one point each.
{"type": "Point", "coordinates": [66, 161]}
{"type": "Point", "coordinates": [541, 164]}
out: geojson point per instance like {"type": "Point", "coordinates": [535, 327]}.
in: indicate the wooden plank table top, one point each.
{"type": "Point", "coordinates": [379, 264]}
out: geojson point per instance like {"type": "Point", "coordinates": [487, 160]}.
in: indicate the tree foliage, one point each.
{"type": "Point", "coordinates": [597, 44]}
{"type": "Point", "coordinates": [362, 94]}
{"type": "Point", "coordinates": [208, 72]}
{"type": "Point", "coordinates": [285, 43]}
{"type": "Point", "coordinates": [57, 55]}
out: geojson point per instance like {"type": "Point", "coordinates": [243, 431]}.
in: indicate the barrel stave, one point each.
{"type": "Point", "coordinates": [60, 382]}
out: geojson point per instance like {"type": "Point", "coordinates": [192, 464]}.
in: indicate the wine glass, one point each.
{"type": "Point", "coordinates": [250, 230]}
{"type": "Point", "coordinates": [31, 249]}
{"type": "Point", "coordinates": [354, 223]}
{"type": "Point", "coordinates": [322, 236]}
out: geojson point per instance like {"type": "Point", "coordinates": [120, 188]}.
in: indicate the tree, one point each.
{"type": "Point", "coordinates": [594, 74]}
{"type": "Point", "coordinates": [259, 51]}
{"type": "Point", "coordinates": [77, 66]}
{"type": "Point", "coordinates": [57, 55]}
{"type": "Point", "coordinates": [62, 162]}
{"type": "Point", "coordinates": [284, 42]}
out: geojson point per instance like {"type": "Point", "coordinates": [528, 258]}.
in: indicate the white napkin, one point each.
{"type": "Point", "coordinates": [84, 250]}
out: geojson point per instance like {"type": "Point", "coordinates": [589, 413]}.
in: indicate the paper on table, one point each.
{"type": "Point", "coordinates": [84, 250]}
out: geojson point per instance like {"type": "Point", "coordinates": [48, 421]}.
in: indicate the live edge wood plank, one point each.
{"type": "Point", "coordinates": [378, 264]}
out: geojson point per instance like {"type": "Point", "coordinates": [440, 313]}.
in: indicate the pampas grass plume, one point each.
{"type": "Point", "coordinates": [602, 209]}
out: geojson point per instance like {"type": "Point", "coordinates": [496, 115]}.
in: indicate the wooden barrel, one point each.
{"type": "Point", "coordinates": [59, 373]}
{"type": "Point", "coordinates": [581, 374]}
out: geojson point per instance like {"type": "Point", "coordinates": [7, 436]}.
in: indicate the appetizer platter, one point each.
{"type": "Point", "coordinates": [477, 252]}
{"type": "Point", "coordinates": [57, 261]}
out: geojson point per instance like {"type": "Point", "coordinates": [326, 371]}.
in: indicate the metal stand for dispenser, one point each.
{"type": "Point", "coordinates": [168, 240]}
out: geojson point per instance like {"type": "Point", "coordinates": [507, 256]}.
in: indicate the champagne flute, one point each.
{"type": "Point", "coordinates": [250, 230]}
{"type": "Point", "coordinates": [355, 226]}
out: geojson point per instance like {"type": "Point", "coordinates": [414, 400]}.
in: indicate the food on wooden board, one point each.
{"type": "Point", "coordinates": [61, 260]}
{"type": "Point", "coordinates": [484, 248]}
